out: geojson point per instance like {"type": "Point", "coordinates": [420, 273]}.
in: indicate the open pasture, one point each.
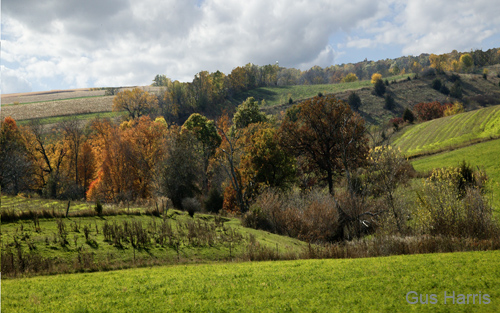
{"type": "Point", "coordinates": [348, 285]}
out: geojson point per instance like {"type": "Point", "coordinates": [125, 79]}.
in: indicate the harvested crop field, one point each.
{"type": "Point", "coordinates": [57, 108]}
{"type": "Point", "coordinates": [49, 95]}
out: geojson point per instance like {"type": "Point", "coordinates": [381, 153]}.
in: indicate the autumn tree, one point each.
{"type": "Point", "coordinates": [388, 169]}
{"type": "Point", "coordinates": [48, 153]}
{"type": "Point", "coordinates": [439, 62]}
{"type": "Point", "coordinates": [208, 139]}
{"type": "Point", "coordinates": [247, 113]}
{"type": "Point", "coordinates": [181, 170]}
{"type": "Point", "coordinates": [136, 102]}
{"type": "Point", "coordinates": [427, 111]}
{"type": "Point", "coordinates": [126, 158]}
{"type": "Point", "coordinates": [86, 166]}
{"type": "Point", "coordinates": [228, 156]}
{"type": "Point", "coordinates": [264, 161]}
{"type": "Point", "coordinates": [329, 135]}
{"type": "Point", "coordinates": [73, 138]}
{"type": "Point", "coordinates": [466, 62]}
{"type": "Point", "coordinates": [16, 168]}
{"type": "Point", "coordinates": [349, 78]}
{"type": "Point", "coordinates": [456, 108]}
{"type": "Point", "coordinates": [160, 80]}
{"type": "Point", "coordinates": [376, 77]}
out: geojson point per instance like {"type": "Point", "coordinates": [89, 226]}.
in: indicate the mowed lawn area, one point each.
{"type": "Point", "coordinates": [485, 155]}
{"type": "Point", "coordinates": [449, 131]}
{"type": "Point", "coordinates": [342, 285]}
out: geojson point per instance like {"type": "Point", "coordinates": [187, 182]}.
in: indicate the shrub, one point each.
{"type": "Point", "coordinates": [98, 208]}
{"type": "Point", "coordinates": [354, 101]}
{"type": "Point", "coordinates": [454, 78]}
{"type": "Point", "coordinates": [312, 217]}
{"type": "Point", "coordinates": [214, 201]}
{"type": "Point", "coordinates": [427, 111]}
{"type": "Point", "coordinates": [191, 205]}
{"type": "Point", "coordinates": [396, 122]}
{"type": "Point", "coordinates": [408, 116]}
{"type": "Point", "coordinates": [429, 72]}
{"type": "Point", "coordinates": [290, 100]}
{"type": "Point", "coordinates": [390, 104]}
{"type": "Point", "coordinates": [386, 82]}
{"type": "Point", "coordinates": [379, 88]}
{"type": "Point", "coordinates": [449, 205]}
{"type": "Point", "coordinates": [436, 84]}
{"type": "Point", "coordinates": [444, 90]}
{"type": "Point", "coordinates": [456, 90]}
{"type": "Point", "coordinates": [456, 108]}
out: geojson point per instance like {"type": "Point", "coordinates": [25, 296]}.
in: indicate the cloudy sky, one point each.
{"type": "Point", "coordinates": [61, 44]}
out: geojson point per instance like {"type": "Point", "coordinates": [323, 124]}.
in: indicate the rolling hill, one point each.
{"type": "Point", "coordinates": [477, 93]}
{"type": "Point", "coordinates": [449, 132]}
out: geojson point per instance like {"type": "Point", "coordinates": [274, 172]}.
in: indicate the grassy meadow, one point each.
{"type": "Point", "coordinates": [350, 285]}
{"type": "Point", "coordinates": [484, 155]}
{"type": "Point", "coordinates": [126, 237]}
{"type": "Point", "coordinates": [280, 95]}
{"type": "Point", "coordinates": [447, 132]}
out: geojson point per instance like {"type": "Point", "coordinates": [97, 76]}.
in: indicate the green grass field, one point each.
{"type": "Point", "coordinates": [449, 131]}
{"type": "Point", "coordinates": [172, 238]}
{"type": "Point", "coordinates": [485, 155]}
{"type": "Point", "coordinates": [348, 285]}
{"type": "Point", "coordinates": [280, 95]}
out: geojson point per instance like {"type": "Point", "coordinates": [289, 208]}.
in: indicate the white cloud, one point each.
{"type": "Point", "coordinates": [431, 26]}
{"type": "Point", "coordinates": [123, 42]}
{"type": "Point", "coordinates": [127, 43]}
{"type": "Point", "coordinates": [12, 82]}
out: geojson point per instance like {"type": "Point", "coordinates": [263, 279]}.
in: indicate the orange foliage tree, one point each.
{"type": "Point", "coordinates": [126, 157]}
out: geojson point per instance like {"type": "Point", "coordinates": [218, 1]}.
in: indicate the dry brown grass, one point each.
{"type": "Point", "coordinates": [49, 95]}
{"type": "Point", "coordinates": [57, 108]}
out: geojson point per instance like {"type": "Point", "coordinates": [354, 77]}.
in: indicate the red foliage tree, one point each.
{"type": "Point", "coordinates": [427, 111]}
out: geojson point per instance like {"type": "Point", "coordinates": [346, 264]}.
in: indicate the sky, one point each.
{"type": "Point", "coordinates": [54, 44]}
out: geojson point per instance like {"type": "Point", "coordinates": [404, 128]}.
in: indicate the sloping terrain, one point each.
{"type": "Point", "coordinates": [483, 155]}
{"type": "Point", "coordinates": [477, 93]}
{"type": "Point", "coordinates": [449, 132]}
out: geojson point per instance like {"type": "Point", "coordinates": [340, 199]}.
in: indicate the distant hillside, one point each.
{"type": "Point", "coordinates": [449, 131]}
{"type": "Point", "coordinates": [477, 93]}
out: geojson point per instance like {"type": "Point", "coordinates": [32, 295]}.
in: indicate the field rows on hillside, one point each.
{"type": "Point", "coordinates": [49, 95]}
{"type": "Point", "coordinates": [58, 108]}
{"type": "Point", "coordinates": [450, 131]}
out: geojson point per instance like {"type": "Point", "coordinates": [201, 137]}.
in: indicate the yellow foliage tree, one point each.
{"type": "Point", "coordinates": [439, 62]}
{"type": "Point", "coordinates": [376, 77]}
{"type": "Point", "coordinates": [456, 108]}
{"type": "Point", "coordinates": [416, 67]}
{"type": "Point", "coordinates": [349, 78]}
{"type": "Point", "coordinates": [466, 62]}
{"type": "Point", "coordinates": [136, 102]}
